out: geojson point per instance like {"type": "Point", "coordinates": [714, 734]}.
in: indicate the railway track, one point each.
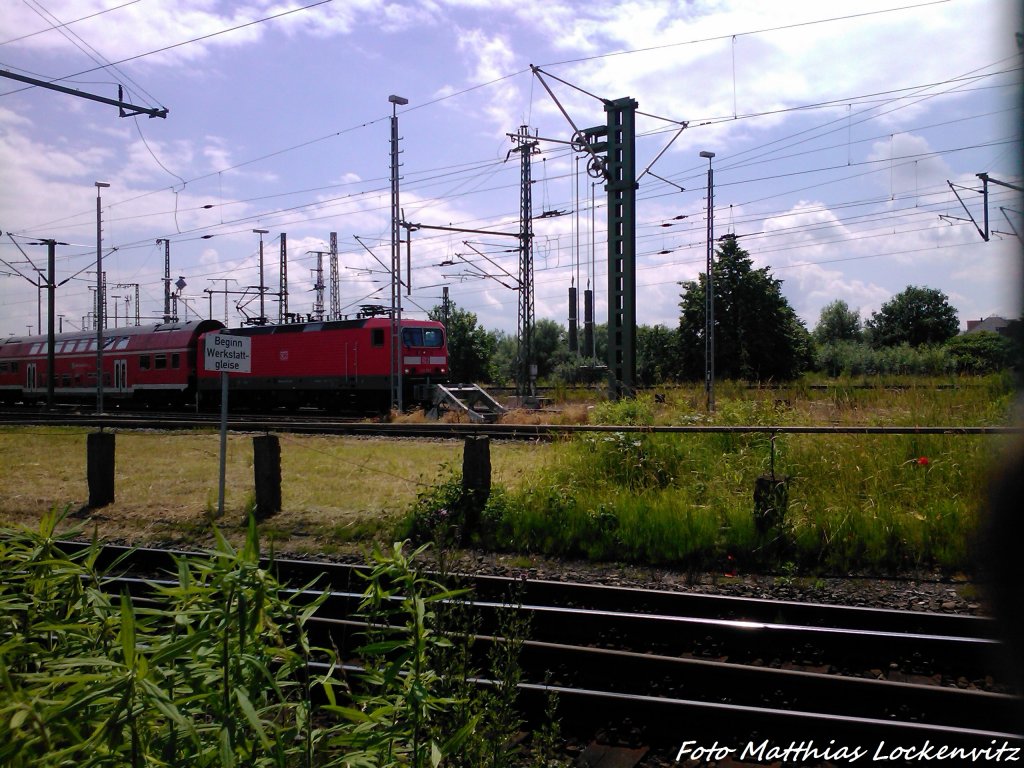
{"type": "Point", "coordinates": [644, 668]}
{"type": "Point", "coordinates": [321, 424]}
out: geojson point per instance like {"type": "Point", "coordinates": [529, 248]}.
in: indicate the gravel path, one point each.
{"type": "Point", "coordinates": [926, 591]}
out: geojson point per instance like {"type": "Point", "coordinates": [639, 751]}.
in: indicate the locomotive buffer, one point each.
{"type": "Point", "coordinates": [227, 354]}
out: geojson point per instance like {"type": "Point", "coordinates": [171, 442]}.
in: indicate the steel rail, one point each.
{"type": "Point", "coordinates": [645, 684]}
{"type": "Point", "coordinates": [347, 577]}
{"type": "Point", "coordinates": [566, 667]}
{"type": "Point", "coordinates": [852, 651]}
{"type": "Point", "coordinates": [315, 425]}
{"type": "Point", "coordinates": [705, 684]}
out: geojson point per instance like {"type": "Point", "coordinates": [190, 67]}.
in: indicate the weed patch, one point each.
{"type": "Point", "coordinates": [214, 669]}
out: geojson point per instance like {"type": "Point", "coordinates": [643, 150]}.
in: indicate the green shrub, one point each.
{"type": "Point", "coordinates": [980, 352]}
{"type": "Point", "coordinates": [436, 515]}
{"type": "Point", "coordinates": [213, 670]}
{"type": "Point", "coordinates": [211, 673]}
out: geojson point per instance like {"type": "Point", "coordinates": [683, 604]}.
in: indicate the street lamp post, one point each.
{"type": "Point", "coordinates": [709, 293]}
{"type": "Point", "coordinates": [396, 262]}
{"type": "Point", "coordinates": [263, 314]}
{"type": "Point", "coordinates": [99, 298]}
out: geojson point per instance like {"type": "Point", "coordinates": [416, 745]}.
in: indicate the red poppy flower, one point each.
{"type": "Point", "coordinates": [923, 461]}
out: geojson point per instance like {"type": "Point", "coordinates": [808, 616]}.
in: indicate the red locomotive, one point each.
{"type": "Point", "coordinates": [338, 364]}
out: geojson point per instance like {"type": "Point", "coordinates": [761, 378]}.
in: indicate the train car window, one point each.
{"type": "Point", "coordinates": [377, 337]}
{"type": "Point", "coordinates": [160, 361]}
{"type": "Point", "coordinates": [14, 366]}
{"type": "Point", "coordinates": [175, 360]}
{"type": "Point", "coordinates": [122, 343]}
{"type": "Point", "coordinates": [433, 337]}
{"type": "Point", "coordinates": [37, 349]}
{"type": "Point", "coordinates": [143, 362]}
{"type": "Point", "coordinates": [314, 326]}
{"type": "Point", "coordinates": [109, 342]}
{"type": "Point", "coordinates": [65, 380]}
{"type": "Point", "coordinates": [3, 367]}
{"type": "Point", "coordinates": [84, 345]}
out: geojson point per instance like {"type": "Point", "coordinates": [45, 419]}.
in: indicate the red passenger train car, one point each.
{"type": "Point", "coordinates": [144, 365]}
{"type": "Point", "coordinates": [339, 365]}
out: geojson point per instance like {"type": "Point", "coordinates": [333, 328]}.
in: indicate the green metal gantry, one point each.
{"type": "Point", "coordinates": [621, 186]}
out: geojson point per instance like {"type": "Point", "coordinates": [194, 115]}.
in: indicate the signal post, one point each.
{"type": "Point", "coordinates": [228, 354]}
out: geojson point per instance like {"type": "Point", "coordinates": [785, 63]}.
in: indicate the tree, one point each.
{"type": "Point", "coordinates": [550, 346]}
{"type": "Point", "coordinates": [470, 347]}
{"type": "Point", "coordinates": [758, 336]}
{"type": "Point", "coordinates": [838, 322]}
{"type": "Point", "coordinates": [657, 355]}
{"type": "Point", "coordinates": [916, 316]}
{"type": "Point", "coordinates": [503, 363]}
{"type": "Point", "coordinates": [550, 351]}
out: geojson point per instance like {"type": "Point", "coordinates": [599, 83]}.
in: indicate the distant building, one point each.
{"type": "Point", "coordinates": [995, 323]}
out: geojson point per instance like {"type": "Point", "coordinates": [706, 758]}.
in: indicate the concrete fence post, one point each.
{"type": "Point", "coordinates": [266, 450]}
{"type": "Point", "coordinates": [100, 468]}
{"type": "Point", "coordinates": [476, 481]}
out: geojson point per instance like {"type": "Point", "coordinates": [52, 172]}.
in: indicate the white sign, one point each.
{"type": "Point", "coordinates": [227, 354]}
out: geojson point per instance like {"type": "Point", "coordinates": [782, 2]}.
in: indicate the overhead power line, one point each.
{"type": "Point", "coordinates": [747, 33]}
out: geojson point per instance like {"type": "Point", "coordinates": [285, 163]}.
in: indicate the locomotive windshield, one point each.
{"type": "Point", "coordinates": [423, 337]}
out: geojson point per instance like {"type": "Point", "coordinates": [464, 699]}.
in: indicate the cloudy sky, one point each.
{"type": "Point", "coordinates": [837, 128]}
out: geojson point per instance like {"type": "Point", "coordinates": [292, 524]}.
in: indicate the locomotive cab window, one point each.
{"type": "Point", "coordinates": [422, 337]}
{"type": "Point", "coordinates": [433, 337]}
{"type": "Point", "coordinates": [377, 337]}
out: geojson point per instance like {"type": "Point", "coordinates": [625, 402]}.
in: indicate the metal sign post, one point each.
{"type": "Point", "coordinates": [227, 354]}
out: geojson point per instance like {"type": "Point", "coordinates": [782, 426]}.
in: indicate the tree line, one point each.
{"type": "Point", "coordinates": [758, 337]}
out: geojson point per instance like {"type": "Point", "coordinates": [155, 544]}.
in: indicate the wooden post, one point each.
{"type": "Point", "coordinates": [266, 465]}
{"type": "Point", "coordinates": [476, 482]}
{"type": "Point", "coordinates": [771, 497]}
{"type": "Point", "coordinates": [100, 468]}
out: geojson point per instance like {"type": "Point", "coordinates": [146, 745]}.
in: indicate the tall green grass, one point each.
{"type": "Point", "coordinates": [880, 502]}
{"type": "Point", "coordinates": [210, 673]}
{"type": "Point", "coordinates": [213, 668]}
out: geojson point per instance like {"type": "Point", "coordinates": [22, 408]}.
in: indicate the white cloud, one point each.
{"type": "Point", "coordinates": [834, 227]}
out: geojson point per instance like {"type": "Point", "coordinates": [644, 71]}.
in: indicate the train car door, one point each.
{"type": "Point", "coordinates": [30, 377]}
{"type": "Point", "coordinates": [121, 375]}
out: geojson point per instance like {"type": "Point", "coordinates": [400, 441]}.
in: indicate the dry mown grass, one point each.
{"type": "Point", "coordinates": [335, 490]}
